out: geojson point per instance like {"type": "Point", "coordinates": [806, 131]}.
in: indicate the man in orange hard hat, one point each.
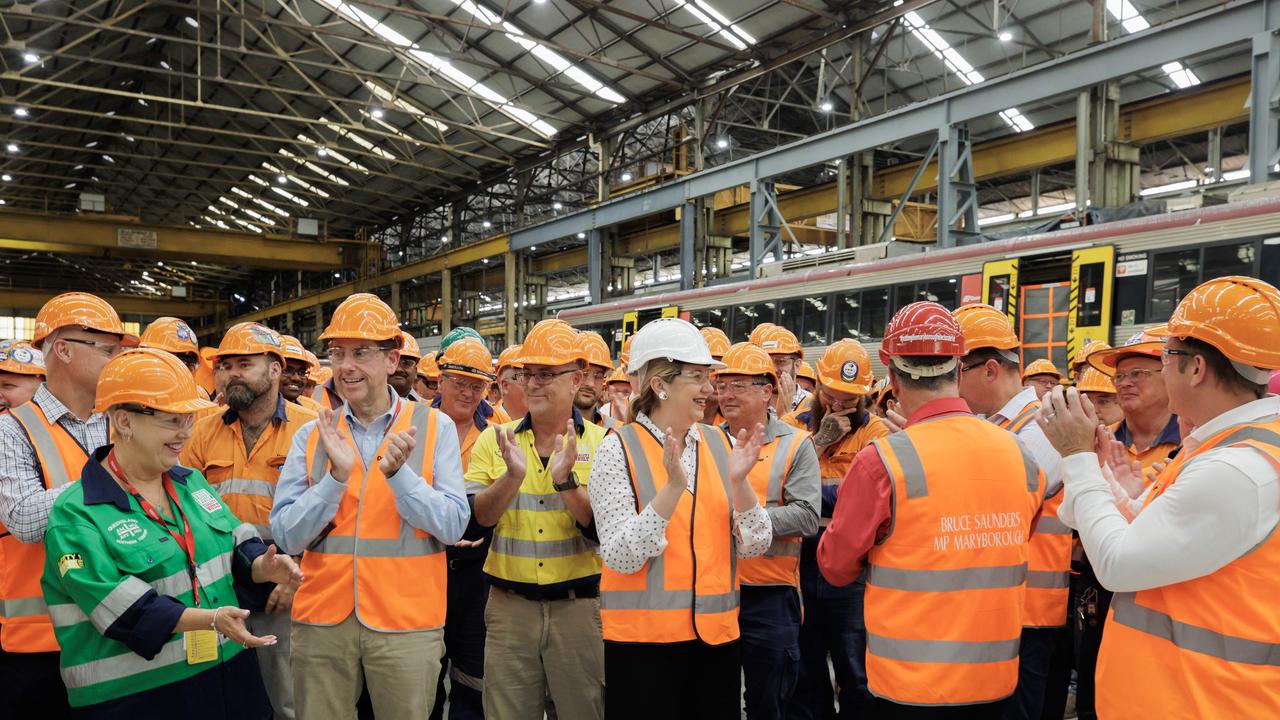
{"type": "Point", "coordinates": [405, 377]}
{"type": "Point", "coordinates": [784, 348]}
{"type": "Point", "coordinates": [1042, 376]}
{"type": "Point", "coordinates": [428, 383]}
{"type": "Point", "coordinates": [941, 514]}
{"type": "Point", "coordinates": [372, 492]}
{"type": "Point", "coordinates": [293, 375]}
{"type": "Point", "coordinates": [529, 481]}
{"type": "Point", "coordinates": [45, 444]}
{"type": "Point", "coordinates": [718, 343]}
{"type": "Point", "coordinates": [991, 385]}
{"type": "Point", "coordinates": [617, 389]}
{"type": "Point", "coordinates": [21, 373]}
{"type": "Point", "coordinates": [173, 336]}
{"type": "Point", "coordinates": [596, 366]}
{"type": "Point", "coordinates": [240, 452]}
{"type": "Point", "coordinates": [1194, 627]}
{"type": "Point", "coordinates": [510, 375]}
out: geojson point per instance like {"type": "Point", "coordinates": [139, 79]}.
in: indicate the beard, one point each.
{"type": "Point", "coordinates": [240, 396]}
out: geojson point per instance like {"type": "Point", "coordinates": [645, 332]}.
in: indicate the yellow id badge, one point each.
{"type": "Point", "coordinates": [202, 646]}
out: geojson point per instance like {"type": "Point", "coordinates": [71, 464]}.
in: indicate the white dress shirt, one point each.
{"type": "Point", "coordinates": [1033, 438]}
{"type": "Point", "coordinates": [1224, 503]}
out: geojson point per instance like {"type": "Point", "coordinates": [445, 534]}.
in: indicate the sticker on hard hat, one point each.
{"type": "Point", "coordinates": [183, 332]}
{"type": "Point", "coordinates": [940, 338]}
{"type": "Point", "coordinates": [21, 355]}
{"type": "Point", "coordinates": [265, 334]}
{"type": "Point", "coordinates": [290, 347]}
{"type": "Point", "coordinates": [849, 371]}
{"type": "Point", "coordinates": [769, 344]}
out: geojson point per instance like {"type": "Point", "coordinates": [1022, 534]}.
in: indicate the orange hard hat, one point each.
{"type": "Point", "coordinates": [409, 346]}
{"type": "Point", "coordinates": [984, 326]}
{"type": "Point", "coordinates": [428, 368]}
{"type": "Point", "coordinates": [1041, 367]}
{"type": "Point", "coordinates": [1091, 380]}
{"type": "Point", "coordinates": [363, 316]}
{"type": "Point", "coordinates": [757, 332]}
{"type": "Point", "coordinates": [618, 376]}
{"type": "Point", "coordinates": [550, 342]}
{"type": "Point", "coordinates": [592, 350]}
{"type": "Point", "coordinates": [293, 350]}
{"type": "Point", "coordinates": [312, 360]}
{"type": "Point", "coordinates": [151, 378]}
{"type": "Point", "coordinates": [806, 371]}
{"type": "Point", "coordinates": [1240, 316]}
{"type": "Point", "coordinates": [20, 358]}
{"type": "Point", "coordinates": [82, 310]}
{"type": "Point", "coordinates": [846, 367]}
{"type": "Point", "coordinates": [250, 338]}
{"type": "Point", "coordinates": [624, 356]}
{"type": "Point", "coordinates": [1148, 343]}
{"type": "Point", "coordinates": [320, 374]}
{"type": "Point", "coordinates": [170, 334]}
{"type": "Point", "coordinates": [778, 340]}
{"type": "Point", "coordinates": [746, 359]}
{"type": "Point", "coordinates": [717, 341]}
{"type": "Point", "coordinates": [509, 357]}
{"type": "Point", "coordinates": [1088, 348]}
{"type": "Point", "coordinates": [468, 357]}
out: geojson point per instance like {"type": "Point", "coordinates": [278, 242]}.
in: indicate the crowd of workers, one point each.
{"type": "Point", "coordinates": [694, 530]}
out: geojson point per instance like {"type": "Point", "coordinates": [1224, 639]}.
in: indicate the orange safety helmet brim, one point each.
{"type": "Point", "coordinates": [717, 341]}
{"type": "Point", "coordinates": [81, 310]}
{"type": "Point", "coordinates": [624, 355]}
{"type": "Point", "coordinates": [170, 334]}
{"type": "Point", "coordinates": [983, 326]}
{"type": "Point", "coordinates": [509, 357]}
{"type": "Point", "coordinates": [1041, 367]}
{"type": "Point", "coordinates": [363, 316]}
{"type": "Point", "coordinates": [592, 350]}
{"type": "Point", "coordinates": [1240, 316]}
{"type": "Point", "coordinates": [468, 357]}
{"type": "Point", "coordinates": [428, 368]}
{"type": "Point", "coordinates": [550, 342]}
{"type": "Point", "coordinates": [806, 371]}
{"type": "Point", "coordinates": [846, 367]}
{"type": "Point", "coordinates": [250, 338]}
{"type": "Point", "coordinates": [151, 378]}
{"type": "Point", "coordinates": [20, 358]}
{"type": "Point", "coordinates": [746, 359]}
{"type": "Point", "coordinates": [1092, 380]}
{"type": "Point", "coordinates": [1148, 344]}
{"type": "Point", "coordinates": [409, 346]}
{"type": "Point", "coordinates": [777, 340]}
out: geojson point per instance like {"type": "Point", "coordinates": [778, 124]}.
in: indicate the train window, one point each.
{"type": "Point", "coordinates": [1089, 311]}
{"type": "Point", "coordinates": [814, 326]}
{"type": "Point", "coordinates": [860, 315]}
{"type": "Point", "coordinates": [998, 292]}
{"type": "Point", "coordinates": [1270, 270]}
{"type": "Point", "coordinates": [715, 317]}
{"type": "Point", "coordinates": [848, 311]}
{"type": "Point", "coordinates": [875, 313]}
{"type": "Point", "coordinates": [790, 315]}
{"type": "Point", "coordinates": [746, 317]}
{"type": "Point", "coordinates": [1223, 260]}
{"type": "Point", "coordinates": [944, 292]}
{"type": "Point", "coordinates": [1176, 274]}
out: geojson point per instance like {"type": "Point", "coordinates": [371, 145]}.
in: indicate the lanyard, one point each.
{"type": "Point", "coordinates": [186, 541]}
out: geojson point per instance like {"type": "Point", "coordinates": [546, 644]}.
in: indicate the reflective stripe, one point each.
{"type": "Point", "coordinates": [209, 572]}
{"type": "Point", "coordinates": [378, 547]}
{"type": "Point", "coordinates": [65, 615]}
{"type": "Point", "coordinates": [977, 578]}
{"type": "Point", "coordinates": [1258, 434]}
{"type": "Point", "coordinates": [783, 547]}
{"type": "Point", "coordinates": [1192, 637]}
{"type": "Point", "coordinates": [1032, 469]}
{"type": "Point", "coordinates": [1047, 579]}
{"type": "Point", "coordinates": [718, 445]}
{"type": "Point", "coordinates": [240, 486]}
{"type": "Point", "coordinates": [538, 502]}
{"type": "Point", "coordinates": [778, 469]}
{"type": "Point", "coordinates": [568, 547]}
{"type": "Point", "coordinates": [942, 651]}
{"type": "Point", "coordinates": [909, 461]}
{"type": "Point", "coordinates": [1052, 525]}
{"type": "Point", "coordinates": [125, 665]}
{"type": "Point", "coordinates": [421, 417]}
{"type": "Point", "coordinates": [243, 533]}
{"type": "Point", "coordinates": [121, 598]}
{"type": "Point", "coordinates": [640, 470]}
{"type": "Point", "coordinates": [1019, 421]}
{"type": "Point", "coordinates": [46, 447]}
{"type": "Point", "coordinates": [475, 488]}
{"type": "Point", "coordinates": [22, 607]}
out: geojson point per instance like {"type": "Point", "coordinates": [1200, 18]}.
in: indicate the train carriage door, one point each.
{"type": "Point", "coordinates": [1092, 276]}
{"type": "Point", "coordinates": [1043, 320]}
{"type": "Point", "coordinates": [1000, 286]}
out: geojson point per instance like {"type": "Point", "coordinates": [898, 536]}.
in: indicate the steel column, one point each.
{"type": "Point", "coordinates": [1264, 107]}
{"type": "Point", "coordinates": [957, 193]}
{"type": "Point", "coordinates": [595, 268]}
{"type": "Point", "coordinates": [688, 239]}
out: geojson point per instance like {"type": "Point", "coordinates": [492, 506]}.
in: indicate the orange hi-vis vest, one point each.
{"type": "Point", "coordinates": [1202, 648]}
{"type": "Point", "coordinates": [781, 564]}
{"type": "Point", "coordinates": [27, 627]}
{"type": "Point", "coordinates": [1049, 558]}
{"type": "Point", "coordinates": [370, 561]}
{"type": "Point", "coordinates": [946, 587]}
{"type": "Point", "coordinates": [690, 591]}
{"type": "Point", "coordinates": [325, 396]}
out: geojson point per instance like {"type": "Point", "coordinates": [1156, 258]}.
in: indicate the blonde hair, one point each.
{"type": "Point", "coordinates": [647, 399]}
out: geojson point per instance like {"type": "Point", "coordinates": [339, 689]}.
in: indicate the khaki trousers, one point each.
{"type": "Point", "coordinates": [540, 648]}
{"type": "Point", "coordinates": [332, 663]}
{"type": "Point", "coordinates": [274, 660]}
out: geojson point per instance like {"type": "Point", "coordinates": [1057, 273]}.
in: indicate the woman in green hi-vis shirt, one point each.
{"type": "Point", "coordinates": [144, 561]}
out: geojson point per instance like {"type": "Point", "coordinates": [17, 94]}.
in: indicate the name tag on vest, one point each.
{"type": "Point", "coordinates": [207, 500]}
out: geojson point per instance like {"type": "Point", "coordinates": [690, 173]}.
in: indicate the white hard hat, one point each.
{"type": "Point", "coordinates": [671, 338]}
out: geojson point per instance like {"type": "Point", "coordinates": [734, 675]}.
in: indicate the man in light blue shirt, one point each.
{"type": "Point", "coordinates": [371, 512]}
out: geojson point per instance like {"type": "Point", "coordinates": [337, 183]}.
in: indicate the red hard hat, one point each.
{"type": "Point", "coordinates": [922, 329]}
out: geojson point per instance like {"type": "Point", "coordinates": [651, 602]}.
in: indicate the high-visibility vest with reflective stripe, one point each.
{"type": "Point", "coordinates": [945, 589]}
{"type": "Point", "coordinates": [781, 564]}
{"type": "Point", "coordinates": [1049, 558]}
{"type": "Point", "coordinates": [326, 396]}
{"type": "Point", "coordinates": [246, 483]}
{"type": "Point", "coordinates": [1203, 648]}
{"type": "Point", "coordinates": [27, 628]}
{"type": "Point", "coordinates": [834, 461]}
{"type": "Point", "coordinates": [371, 561]}
{"type": "Point", "coordinates": [690, 591]}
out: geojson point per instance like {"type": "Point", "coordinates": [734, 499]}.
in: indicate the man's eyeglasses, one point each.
{"type": "Point", "coordinates": [471, 387]}
{"type": "Point", "coordinates": [1168, 352]}
{"type": "Point", "coordinates": [1135, 376]}
{"type": "Point", "coordinates": [108, 349]}
{"type": "Point", "coordinates": [360, 354]}
{"type": "Point", "coordinates": [542, 377]}
{"type": "Point", "coordinates": [737, 387]}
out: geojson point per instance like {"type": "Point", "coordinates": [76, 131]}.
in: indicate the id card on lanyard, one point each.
{"type": "Point", "coordinates": [200, 645]}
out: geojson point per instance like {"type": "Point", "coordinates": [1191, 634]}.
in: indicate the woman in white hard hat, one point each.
{"type": "Point", "coordinates": [674, 510]}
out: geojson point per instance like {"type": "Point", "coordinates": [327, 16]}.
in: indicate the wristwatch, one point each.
{"type": "Point", "coordinates": [569, 484]}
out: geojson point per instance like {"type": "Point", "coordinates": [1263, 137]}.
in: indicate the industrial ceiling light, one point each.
{"type": "Point", "coordinates": [322, 152]}
{"type": "Point", "coordinates": [6, 177]}
{"type": "Point", "coordinates": [282, 179]}
{"type": "Point", "coordinates": [626, 177]}
{"type": "Point", "coordinates": [192, 22]}
{"type": "Point", "coordinates": [1005, 36]}
{"type": "Point", "coordinates": [556, 206]}
{"type": "Point", "coordinates": [826, 106]}
{"type": "Point", "coordinates": [377, 113]}
{"type": "Point", "coordinates": [11, 147]}
{"type": "Point", "coordinates": [486, 224]}
{"type": "Point", "coordinates": [31, 58]}
{"type": "Point", "coordinates": [21, 112]}
{"type": "Point", "coordinates": [582, 236]}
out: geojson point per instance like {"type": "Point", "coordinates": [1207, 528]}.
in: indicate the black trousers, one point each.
{"type": "Point", "coordinates": [1089, 617]}
{"type": "Point", "coordinates": [672, 682]}
{"type": "Point", "coordinates": [31, 686]}
{"type": "Point", "coordinates": [886, 710]}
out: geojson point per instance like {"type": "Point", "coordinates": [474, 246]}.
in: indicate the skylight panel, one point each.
{"type": "Point", "coordinates": [314, 168]}
{"type": "Point", "coordinates": [295, 179]}
{"type": "Point", "coordinates": [960, 67]}
{"type": "Point", "coordinates": [710, 22]}
{"type": "Point", "coordinates": [335, 155]}
{"type": "Point", "coordinates": [259, 181]}
{"type": "Point", "coordinates": [1132, 21]}
{"type": "Point", "coordinates": [247, 225]}
{"type": "Point", "coordinates": [228, 202]}
{"type": "Point", "coordinates": [272, 208]}
{"type": "Point", "coordinates": [385, 96]}
{"type": "Point", "coordinates": [357, 139]}
{"type": "Point", "coordinates": [259, 217]}
{"type": "Point", "coordinates": [289, 196]}
{"type": "Point", "coordinates": [241, 193]}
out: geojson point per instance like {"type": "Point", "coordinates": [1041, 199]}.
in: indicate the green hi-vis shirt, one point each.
{"type": "Point", "coordinates": [103, 558]}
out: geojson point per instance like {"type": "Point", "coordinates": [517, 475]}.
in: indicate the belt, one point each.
{"type": "Point", "coordinates": [557, 594]}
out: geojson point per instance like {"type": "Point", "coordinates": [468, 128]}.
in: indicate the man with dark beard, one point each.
{"type": "Point", "coordinates": [597, 365]}
{"type": "Point", "coordinates": [240, 452]}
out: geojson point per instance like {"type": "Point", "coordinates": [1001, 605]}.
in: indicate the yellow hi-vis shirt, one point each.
{"type": "Point", "coordinates": [537, 542]}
